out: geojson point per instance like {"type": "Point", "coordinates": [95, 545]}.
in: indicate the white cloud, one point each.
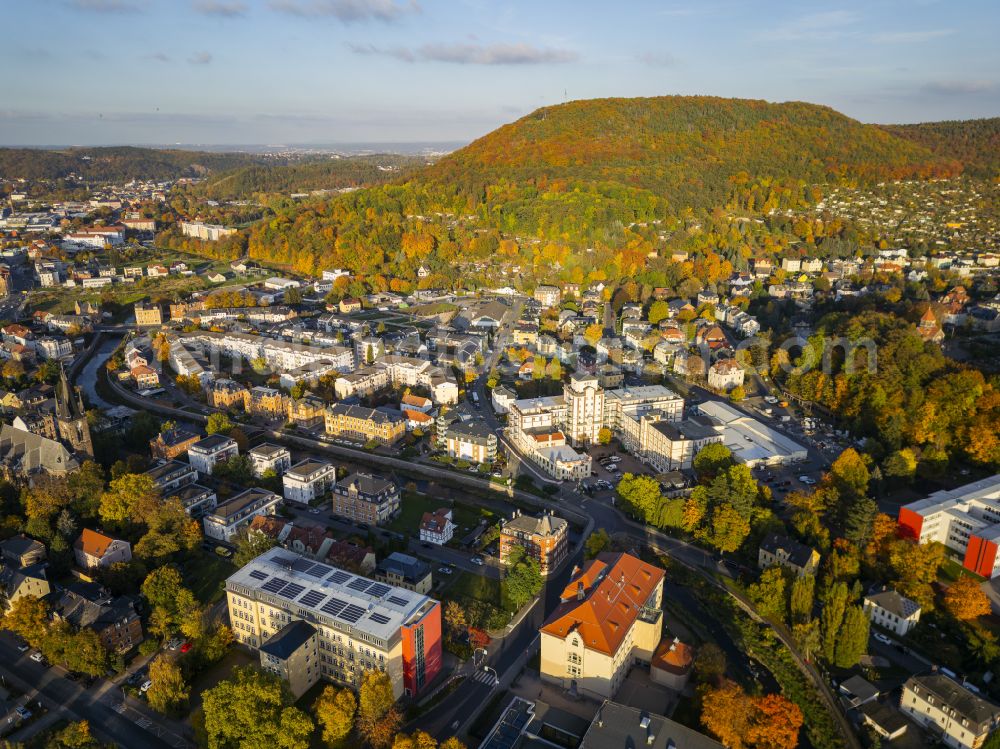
{"type": "Point", "coordinates": [472, 54]}
{"type": "Point", "coordinates": [347, 11]}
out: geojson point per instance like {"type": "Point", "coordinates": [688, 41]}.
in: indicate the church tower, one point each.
{"type": "Point", "coordinates": [71, 418]}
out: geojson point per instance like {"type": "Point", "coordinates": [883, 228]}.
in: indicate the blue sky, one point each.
{"type": "Point", "coordinates": [339, 71]}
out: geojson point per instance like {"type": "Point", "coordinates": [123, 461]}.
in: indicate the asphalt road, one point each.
{"type": "Point", "coordinates": [77, 703]}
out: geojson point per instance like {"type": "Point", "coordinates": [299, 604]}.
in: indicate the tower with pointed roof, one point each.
{"type": "Point", "coordinates": [71, 417]}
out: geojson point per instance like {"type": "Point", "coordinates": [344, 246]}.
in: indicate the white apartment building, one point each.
{"type": "Point", "coordinates": [236, 513]}
{"type": "Point", "coordinates": [948, 710]}
{"type": "Point", "coordinates": [965, 519]}
{"type": "Point", "coordinates": [268, 457]}
{"type": "Point", "coordinates": [891, 611]}
{"type": "Point", "coordinates": [205, 454]}
{"type": "Point", "coordinates": [307, 480]}
{"type": "Point", "coordinates": [357, 624]}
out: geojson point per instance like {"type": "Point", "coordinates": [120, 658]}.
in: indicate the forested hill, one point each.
{"type": "Point", "coordinates": [116, 164]}
{"type": "Point", "coordinates": [975, 143]}
{"type": "Point", "coordinates": [687, 149]}
{"type": "Point", "coordinates": [326, 174]}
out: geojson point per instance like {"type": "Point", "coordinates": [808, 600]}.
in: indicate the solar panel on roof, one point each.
{"type": "Point", "coordinates": [258, 575]}
{"type": "Point", "coordinates": [378, 590]}
{"type": "Point", "coordinates": [318, 570]}
{"type": "Point", "coordinates": [312, 598]}
{"type": "Point", "coordinates": [291, 590]}
{"type": "Point", "coordinates": [285, 561]}
{"type": "Point", "coordinates": [359, 584]}
{"type": "Point", "coordinates": [351, 614]}
{"type": "Point", "coordinates": [334, 606]}
{"type": "Point", "coordinates": [379, 618]}
{"type": "Point", "coordinates": [273, 585]}
{"type": "Point", "coordinates": [397, 600]}
{"type": "Point", "coordinates": [339, 577]}
{"type": "Point", "coordinates": [302, 565]}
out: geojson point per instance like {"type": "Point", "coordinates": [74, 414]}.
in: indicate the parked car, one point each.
{"type": "Point", "coordinates": [477, 561]}
{"type": "Point", "coordinates": [185, 647]}
{"type": "Point", "coordinates": [883, 638]}
{"type": "Point", "coordinates": [807, 481]}
{"type": "Point", "coordinates": [222, 551]}
{"type": "Point", "coordinates": [175, 642]}
{"type": "Point", "coordinates": [37, 657]}
{"type": "Point", "coordinates": [145, 686]}
{"type": "Point", "coordinates": [444, 570]}
{"type": "Point", "coordinates": [22, 712]}
{"type": "Point", "coordinates": [314, 511]}
{"type": "Point", "coordinates": [615, 458]}
{"type": "Point", "coordinates": [22, 646]}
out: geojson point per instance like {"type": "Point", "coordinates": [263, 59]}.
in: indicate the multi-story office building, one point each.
{"type": "Point", "coordinates": [664, 444]}
{"type": "Point", "coordinates": [172, 475]}
{"type": "Point", "coordinates": [307, 480]}
{"type": "Point", "coordinates": [364, 424]}
{"type": "Point", "coordinates": [215, 448]}
{"type": "Point", "coordinates": [471, 441]}
{"type": "Point", "coordinates": [236, 513]}
{"type": "Point", "coordinates": [542, 538]}
{"type": "Point", "coordinates": [354, 624]}
{"type": "Point", "coordinates": [364, 498]}
{"type": "Point", "coordinates": [148, 314]}
{"type": "Point", "coordinates": [948, 710]}
{"type": "Point", "coordinates": [609, 619]}
{"type": "Point", "coordinates": [966, 520]}
{"type": "Point", "coordinates": [584, 398]}
{"type": "Point", "coordinates": [268, 457]}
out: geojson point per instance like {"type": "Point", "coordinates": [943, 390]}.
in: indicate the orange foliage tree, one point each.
{"type": "Point", "coordinates": [742, 721]}
{"type": "Point", "coordinates": [965, 600]}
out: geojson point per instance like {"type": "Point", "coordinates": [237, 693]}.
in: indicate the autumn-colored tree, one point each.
{"type": "Point", "coordinates": [76, 735]}
{"type": "Point", "coordinates": [725, 712]}
{"type": "Point", "coordinates": [335, 710]}
{"type": "Point", "coordinates": [727, 529]}
{"type": "Point", "coordinates": [593, 333]}
{"type": "Point", "coordinates": [709, 664]}
{"type": "Point", "coordinates": [965, 600]}
{"type": "Point", "coordinates": [604, 436]}
{"type": "Point", "coordinates": [454, 618]}
{"type": "Point", "coordinates": [417, 740]}
{"type": "Point", "coordinates": [254, 709]}
{"type": "Point", "coordinates": [775, 723]}
{"type": "Point", "coordinates": [378, 719]}
{"type": "Point", "coordinates": [28, 617]}
{"type": "Point", "coordinates": [768, 594]}
{"type": "Point", "coordinates": [800, 601]}
{"type": "Point", "coordinates": [168, 693]}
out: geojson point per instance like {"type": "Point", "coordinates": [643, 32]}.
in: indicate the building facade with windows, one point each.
{"type": "Point", "coordinates": [236, 513]}
{"type": "Point", "coordinates": [948, 710]}
{"type": "Point", "coordinates": [365, 424]}
{"type": "Point", "coordinates": [215, 448]}
{"type": "Point", "coordinates": [608, 620]}
{"type": "Point", "coordinates": [307, 480]}
{"type": "Point", "coordinates": [359, 624]}
{"type": "Point", "coordinates": [891, 611]}
{"type": "Point", "coordinates": [543, 539]}
{"type": "Point", "coordinates": [364, 498]}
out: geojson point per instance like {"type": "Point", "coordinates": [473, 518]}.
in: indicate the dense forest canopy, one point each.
{"type": "Point", "coordinates": [975, 143]}
{"type": "Point", "coordinates": [116, 164]}
{"type": "Point", "coordinates": [333, 173]}
{"type": "Point", "coordinates": [617, 178]}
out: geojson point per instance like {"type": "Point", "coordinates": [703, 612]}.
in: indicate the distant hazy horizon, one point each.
{"type": "Point", "coordinates": [344, 149]}
{"type": "Point", "coordinates": [101, 72]}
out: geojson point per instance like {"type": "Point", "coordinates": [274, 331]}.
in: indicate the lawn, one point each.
{"type": "Point", "coordinates": [952, 569]}
{"type": "Point", "coordinates": [478, 587]}
{"type": "Point", "coordinates": [413, 506]}
{"type": "Point", "coordinates": [207, 577]}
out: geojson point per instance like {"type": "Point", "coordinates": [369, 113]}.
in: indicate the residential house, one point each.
{"type": "Point", "coordinates": [889, 610]}
{"type": "Point", "coordinates": [113, 618]}
{"type": "Point", "coordinates": [404, 571]}
{"type": "Point", "coordinates": [364, 498]}
{"type": "Point", "coordinates": [437, 527]}
{"type": "Point", "coordinates": [308, 480]}
{"type": "Point", "coordinates": [205, 454]}
{"type": "Point", "coordinates": [172, 443]}
{"type": "Point", "coordinates": [472, 441]}
{"type": "Point", "coordinates": [788, 553]}
{"type": "Point", "coordinates": [94, 550]}
{"type": "Point", "coordinates": [542, 538]}
{"type": "Point", "coordinates": [725, 375]}
{"type": "Point", "coordinates": [267, 457]}
{"type": "Point", "coordinates": [230, 517]}
{"type": "Point", "coordinates": [947, 710]}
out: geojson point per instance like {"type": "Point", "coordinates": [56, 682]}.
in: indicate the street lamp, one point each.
{"type": "Point", "coordinates": [496, 676]}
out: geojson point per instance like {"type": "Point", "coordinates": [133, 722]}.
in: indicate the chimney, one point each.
{"type": "Point", "coordinates": [579, 591]}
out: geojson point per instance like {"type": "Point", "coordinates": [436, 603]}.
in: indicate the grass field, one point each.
{"type": "Point", "coordinates": [479, 587]}
{"type": "Point", "coordinates": [413, 506]}
{"type": "Point", "coordinates": [952, 569]}
{"type": "Point", "coordinates": [207, 577]}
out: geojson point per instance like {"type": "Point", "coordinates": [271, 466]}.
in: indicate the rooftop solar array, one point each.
{"type": "Point", "coordinates": [311, 599]}
{"type": "Point", "coordinates": [334, 606]}
{"type": "Point", "coordinates": [351, 614]}
{"type": "Point", "coordinates": [273, 585]}
{"type": "Point", "coordinates": [318, 570]}
{"type": "Point", "coordinates": [378, 590]}
{"type": "Point", "coordinates": [291, 590]}
{"type": "Point", "coordinates": [339, 577]}
{"type": "Point", "coordinates": [341, 599]}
